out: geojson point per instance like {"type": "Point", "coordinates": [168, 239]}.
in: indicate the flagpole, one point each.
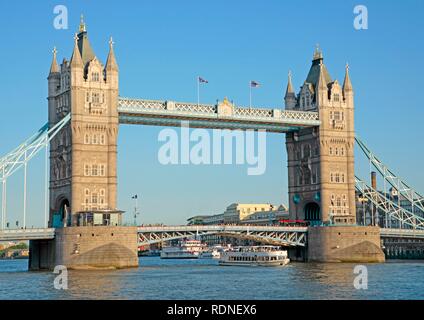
{"type": "Point", "coordinates": [250, 95]}
{"type": "Point", "coordinates": [198, 91]}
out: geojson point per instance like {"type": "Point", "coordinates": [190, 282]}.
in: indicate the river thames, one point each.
{"type": "Point", "coordinates": [204, 279]}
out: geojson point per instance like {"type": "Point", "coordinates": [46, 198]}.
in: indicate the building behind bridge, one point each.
{"type": "Point", "coordinates": [242, 213]}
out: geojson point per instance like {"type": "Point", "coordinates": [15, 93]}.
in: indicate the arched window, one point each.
{"type": "Point", "coordinates": [87, 138]}
{"type": "Point", "coordinates": [94, 170]}
{"type": "Point", "coordinates": [87, 170]}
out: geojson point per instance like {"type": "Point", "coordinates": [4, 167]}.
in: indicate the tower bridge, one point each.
{"type": "Point", "coordinates": [80, 141]}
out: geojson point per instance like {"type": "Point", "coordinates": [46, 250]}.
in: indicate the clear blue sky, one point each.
{"type": "Point", "coordinates": [162, 45]}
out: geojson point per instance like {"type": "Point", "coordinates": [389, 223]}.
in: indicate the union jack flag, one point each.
{"type": "Point", "coordinates": [201, 80]}
{"type": "Point", "coordinates": [254, 84]}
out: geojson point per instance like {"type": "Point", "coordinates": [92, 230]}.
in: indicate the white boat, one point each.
{"type": "Point", "coordinates": [254, 256]}
{"type": "Point", "coordinates": [210, 254]}
{"type": "Point", "coordinates": [187, 249]}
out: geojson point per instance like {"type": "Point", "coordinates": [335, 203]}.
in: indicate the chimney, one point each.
{"type": "Point", "coordinates": [374, 180]}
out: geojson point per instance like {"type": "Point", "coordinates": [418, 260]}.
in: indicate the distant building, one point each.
{"type": "Point", "coordinates": [269, 217]}
{"type": "Point", "coordinates": [237, 212]}
{"type": "Point", "coordinates": [206, 219]}
{"type": "Point", "coordinates": [241, 213]}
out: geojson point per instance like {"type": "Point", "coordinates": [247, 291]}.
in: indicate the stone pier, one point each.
{"type": "Point", "coordinates": [345, 244]}
{"type": "Point", "coordinates": [86, 248]}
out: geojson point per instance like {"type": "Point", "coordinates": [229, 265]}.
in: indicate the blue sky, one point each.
{"type": "Point", "coordinates": [161, 46]}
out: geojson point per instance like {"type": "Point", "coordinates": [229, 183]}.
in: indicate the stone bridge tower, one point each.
{"type": "Point", "coordinates": [321, 159]}
{"type": "Point", "coordinates": [83, 180]}
{"type": "Point", "coordinates": [83, 155]}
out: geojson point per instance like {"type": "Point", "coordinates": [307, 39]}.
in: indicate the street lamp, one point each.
{"type": "Point", "coordinates": [136, 212]}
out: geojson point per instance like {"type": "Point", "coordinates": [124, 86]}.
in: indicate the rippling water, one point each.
{"type": "Point", "coordinates": [204, 279]}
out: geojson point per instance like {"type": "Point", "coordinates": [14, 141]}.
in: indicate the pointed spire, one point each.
{"type": "Point", "coordinates": [111, 60]}
{"type": "Point", "coordinates": [322, 83]}
{"type": "Point", "coordinates": [54, 66]}
{"type": "Point", "coordinates": [347, 85]}
{"type": "Point", "coordinates": [289, 90]}
{"type": "Point", "coordinates": [76, 60]}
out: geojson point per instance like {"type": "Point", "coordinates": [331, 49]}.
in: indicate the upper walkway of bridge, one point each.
{"type": "Point", "coordinates": [220, 116]}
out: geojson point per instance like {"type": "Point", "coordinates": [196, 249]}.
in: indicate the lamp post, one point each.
{"type": "Point", "coordinates": [136, 212]}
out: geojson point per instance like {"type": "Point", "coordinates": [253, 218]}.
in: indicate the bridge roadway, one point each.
{"type": "Point", "coordinates": [155, 234]}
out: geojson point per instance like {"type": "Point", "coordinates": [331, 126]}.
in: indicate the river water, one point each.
{"type": "Point", "coordinates": [204, 279]}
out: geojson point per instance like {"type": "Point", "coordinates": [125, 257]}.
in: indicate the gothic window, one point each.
{"type": "Point", "coordinates": [87, 138]}
{"type": "Point", "coordinates": [331, 151]}
{"type": "Point", "coordinates": [308, 99]}
{"type": "Point", "coordinates": [94, 139]}
{"type": "Point", "coordinates": [87, 192]}
{"type": "Point", "coordinates": [94, 170]}
{"type": "Point", "coordinates": [96, 98]}
{"type": "Point", "coordinates": [102, 170]}
{"type": "Point", "coordinates": [95, 76]}
{"type": "Point", "coordinates": [87, 170]}
{"type": "Point", "coordinates": [331, 177]}
{"type": "Point", "coordinates": [314, 175]}
{"type": "Point", "coordinates": [102, 192]}
{"type": "Point", "coordinates": [342, 151]}
{"type": "Point", "coordinates": [337, 151]}
{"type": "Point", "coordinates": [337, 178]}
{"type": "Point", "coordinates": [102, 139]}
{"type": "Point", "coordinates": [306, 151]}
{"type": "Point", "coordinates": [303, 102]}
{"type": "Point", "coordinates": [94, 198]}
{"type": "Point", "coordinates": [336, 97]}
{"type": "Point", "coordinates": [87, 97]}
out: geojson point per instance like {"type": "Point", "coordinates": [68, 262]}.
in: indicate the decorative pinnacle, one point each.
{"type": "Point", "coordinates": [76, 38]}
{"type": "Point", "coordinates": [318, 52]}
{"type": "Point", "coordinates": [111, 43]}
{"type": "Point", "coordinates": [82, 24]}
{"type": "Point", "coordinates": [54, 51]}
{"type": "Point", "coordinates": [347, 67]}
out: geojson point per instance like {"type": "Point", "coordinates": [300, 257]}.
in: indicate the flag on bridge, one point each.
{"type": "Point", "coordinates": [201, 80]}
{"type": "Point", "coordinates": [254, 84]}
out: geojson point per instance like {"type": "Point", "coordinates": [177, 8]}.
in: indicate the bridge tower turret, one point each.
{"type": "Point", "coordinates": [321, 160]}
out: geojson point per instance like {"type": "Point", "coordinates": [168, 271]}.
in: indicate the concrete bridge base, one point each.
{"type": "Point", "coordinates": [86, 248]}
{"type": "Point", "coordinates": [344, 244]}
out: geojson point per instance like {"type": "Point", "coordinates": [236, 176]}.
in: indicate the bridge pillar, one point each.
{"type": "Point", "coordinates": [86, 248]}
{"type": "Point", "coordinates": [344, 244]}
{"type": "Point", "coordinates": [83, 156]}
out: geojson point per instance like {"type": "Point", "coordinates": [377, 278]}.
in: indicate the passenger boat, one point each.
{"type": "Point", "coordinates": [210, 254]}
{"type": "Point", "coordinates": [186, 249]}
{"type": "Point", "coordinates": [254, 256]}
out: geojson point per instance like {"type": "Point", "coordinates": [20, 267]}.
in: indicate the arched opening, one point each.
{"type": "Point", "coordinates": [62, 216]}
{"type": "Point", "coordinates": [312, 212]}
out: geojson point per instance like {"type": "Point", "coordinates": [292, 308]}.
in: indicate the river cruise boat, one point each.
{"type": "Point", "coordinates": [186, 249]}
{"type": "Point", "coordinates": [254, 256]}
{"type": "Point", "coordinates": [210, 254]}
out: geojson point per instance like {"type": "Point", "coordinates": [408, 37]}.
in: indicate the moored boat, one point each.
{"type": "Point", "coordinates": [186, 249]}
